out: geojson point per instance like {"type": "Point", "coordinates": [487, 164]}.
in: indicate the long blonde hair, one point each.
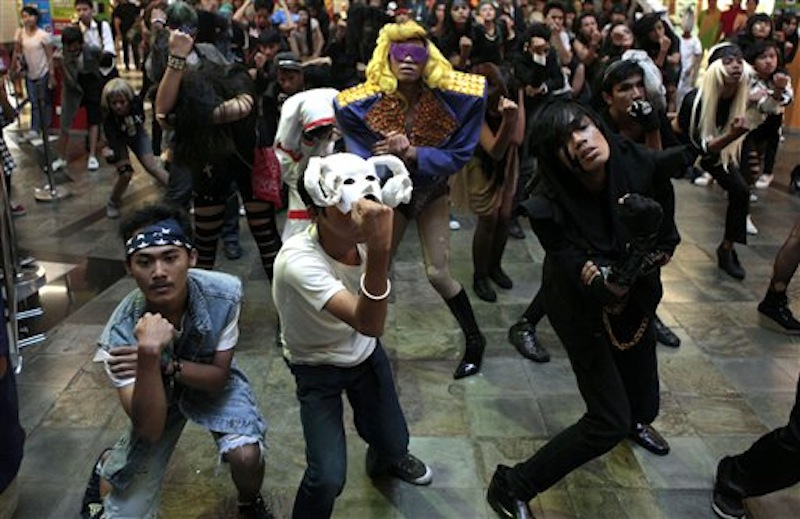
{"type": "Point", "coordinates": [707, 101]}
{"type": "Point", "coordinates": [379, 72]}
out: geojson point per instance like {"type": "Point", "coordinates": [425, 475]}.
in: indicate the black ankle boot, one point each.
{"type": "Point", "coordinates": [483, 289]}
{"type": "Point", "coordinates": [501, 278]}
{"type": "Point", "coordinates": [473, 357]}
{"type": "Point", "coordinates": [775, 314]}
{"type": "Point", "coordinates": [728, 260]}
{"type": "Point", "coordinates": [502, 500]}
{"type": "Point", "coordinates": [462, 310]}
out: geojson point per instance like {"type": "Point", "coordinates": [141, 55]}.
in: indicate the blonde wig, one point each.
{"type": "Point", "coordinates": [707, 101]}
{"type": "Point", "coordinates": [117, 87]}
{"type": "Point", "coordinates": [379, 71]}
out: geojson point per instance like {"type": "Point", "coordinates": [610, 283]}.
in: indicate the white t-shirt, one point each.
{"type": "Point", "coordinates": [33, 50]}
{"type": "Point", "coordinates": [306, 278]}
{"type": "Point", "coordinates": [227, 341]}
{"type": "Point", "coordinates": [691, 50]}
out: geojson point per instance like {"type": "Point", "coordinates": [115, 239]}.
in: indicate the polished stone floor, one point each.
{"type": "Point", "coordinates": [728, 383]}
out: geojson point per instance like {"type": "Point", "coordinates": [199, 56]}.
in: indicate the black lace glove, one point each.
{"type": "Point", "coordinates": [642, 217]}
{"type": "Point", "coordinates": [643, 113]}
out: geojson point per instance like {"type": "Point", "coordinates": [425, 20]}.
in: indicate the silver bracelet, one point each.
{"type": "Point", "coordinates": [374, 297]}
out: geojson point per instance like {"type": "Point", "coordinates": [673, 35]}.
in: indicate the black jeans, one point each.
{"type": "Point", "coordinates": [378, 418]}
{"type": "Point", "coordinates": [619, 388]}
{"type": "Point", "coordinates": [773, 461]}
{"type": "Point", "coordinates": [738, 189]}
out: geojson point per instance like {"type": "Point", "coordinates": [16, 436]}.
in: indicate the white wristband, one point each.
{"type": "Point", "coordinates": [374, 297]}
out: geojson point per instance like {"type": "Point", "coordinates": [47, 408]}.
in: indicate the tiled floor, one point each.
{"type": "Point", "coordinates": [728, 383]}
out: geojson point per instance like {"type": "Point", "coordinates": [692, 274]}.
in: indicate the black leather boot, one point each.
{"type": "Point", "coordinates": [502, 501]}
{"type": "Point", "coordinates": [483, 289]}
{"type": "Point", "coordinates": [475, 342]}
{"type": "Point", "coordinates": [728, 260]}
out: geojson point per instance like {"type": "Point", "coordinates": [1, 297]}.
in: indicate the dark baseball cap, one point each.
{"type": "Point", "coordinates": [288, 61]}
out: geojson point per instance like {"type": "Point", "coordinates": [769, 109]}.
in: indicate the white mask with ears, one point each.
{"type": "Point", "coordinates": [343, 178]}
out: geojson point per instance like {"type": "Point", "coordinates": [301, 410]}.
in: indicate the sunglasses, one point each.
{"type": "Point", "coordinates": [401, 51]}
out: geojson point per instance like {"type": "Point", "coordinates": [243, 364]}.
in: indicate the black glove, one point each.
{"type": "Point", "coordinates": [642, 217]}
{"type": "Point", "coordinates": [107, 59]}
{"type": "Point", "coordinates": [643, 113]}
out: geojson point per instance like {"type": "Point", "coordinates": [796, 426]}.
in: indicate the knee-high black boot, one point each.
{"type": "Point", "coordinates": [473, 355]}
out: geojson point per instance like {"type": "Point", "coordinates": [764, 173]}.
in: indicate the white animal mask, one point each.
{"type": "Point", "coordinates": [343, 178]}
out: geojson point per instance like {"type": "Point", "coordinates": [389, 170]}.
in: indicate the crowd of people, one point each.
{"type": "Point", "coordinates": [378, 115]}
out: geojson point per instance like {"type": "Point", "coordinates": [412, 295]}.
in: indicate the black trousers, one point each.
{"type": "Point", "coordinates": [619, 388]}
{"type": "Point", "coordinates": [773, 461]}
{"type": "Point", "coordinates": [733, 181]}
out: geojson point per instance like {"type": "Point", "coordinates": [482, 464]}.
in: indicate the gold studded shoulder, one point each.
{"type": "Point", "coordinates": [463, 83]}
{"type": "Point", "coordinates": [356, 93]}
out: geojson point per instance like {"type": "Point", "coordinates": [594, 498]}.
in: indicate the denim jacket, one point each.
{"type": "Point", "coordinates": [213, 301]}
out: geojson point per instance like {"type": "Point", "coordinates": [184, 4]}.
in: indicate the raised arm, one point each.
{"type": "Point", "coordinates": [366, 312]}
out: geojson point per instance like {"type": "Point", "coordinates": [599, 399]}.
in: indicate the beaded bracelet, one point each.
{"type": "Point", "coordinates": [176, 62]}
{"type": "Point", "coordinates": [374, 297]}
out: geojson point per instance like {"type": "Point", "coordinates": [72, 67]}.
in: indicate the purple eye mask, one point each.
{"type": "Point", "coordinates": [400, 51]}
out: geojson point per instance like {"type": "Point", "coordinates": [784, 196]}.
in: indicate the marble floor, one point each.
{"type": "Point", "coordinates": [728, 383]}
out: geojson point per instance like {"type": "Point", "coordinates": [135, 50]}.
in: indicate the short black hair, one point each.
{"type": "Point", "coordinates": [537, 30]}
{"type": "Point", "coordinates": [553, 5]}
{"type": "Point", "coordinates": [269, 37]}
{"type": "Point", "coordinates": [152, 213]}
{"type": "Point", "coordinates": [71, 34]}
{"type": "Point", "coordinates": [620, 71]}
{"type": "Point", "coordinates": [86, 2]}
{"type": "Point", "coordinates": [31, 10]}
{"type": "Point", "coordinates": [756, 49]}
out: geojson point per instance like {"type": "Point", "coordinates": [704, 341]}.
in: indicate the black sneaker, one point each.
{"type": "Point", "coordinates": [255, 510]}
{"type": "Point", "coordinates": [92, 505]}
{"type": "Point", "coordinates": [522, 335]}
{"type": "Point", "coordinates": [727, 502]}
{"type": "Point", "coordinates": [412, 470]}
{"type": "Point", "coordinates": [778, 317]}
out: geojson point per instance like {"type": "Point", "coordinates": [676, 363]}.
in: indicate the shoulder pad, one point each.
{"type": "Point", "coordinates": [463, 83]}
{"type": "Point", "coordinates": [356, 93]}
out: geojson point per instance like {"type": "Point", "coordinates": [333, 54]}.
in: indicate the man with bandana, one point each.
{"type": "Point", "coordinates": [331, 289]}
{"type": "Point", "coordinates": [168, 349]}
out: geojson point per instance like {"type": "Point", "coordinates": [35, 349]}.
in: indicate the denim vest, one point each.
{"type": "Point", "coordinates": [213, 300]}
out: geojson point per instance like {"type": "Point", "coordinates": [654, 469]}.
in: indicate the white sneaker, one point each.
{"type": "Point", "coordinates": [454, 224]}
{"type": "Point", "coordinates": [753, 197]}
{"type": "Point", "coordinates": [751, 227]}
{"type": "Point", "coordinates": [703, 180]}
{"type": "Point", "coordinates": [764, 181]}
{"type": "Point", "coordinates": [92, 164]}
{"type": "Point", "coordinates": [112, 210]}
{"type": "Point", "coordinates": [58, 164]}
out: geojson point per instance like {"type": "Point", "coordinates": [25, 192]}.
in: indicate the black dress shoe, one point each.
{"type": "Point", "coordinates": [232, 251]}
{"type": "Point", "coordinates": [473, 357]}
{"type": "Point", "coordinates": [728, 260]}
{"type": "Point", "coordinates": [515, 230]}
{"type": "Point", "coordinates": [664, 335]}
{"type": "Point", "coordinates": [522, 335]}
{"type": "Point", "coordinates": [483, 289]}
{"type": "Point", "coordinates": [501, 278]}
{"type": "Point", "coordinates": [646, 436]}
{"type": "Point", "coordinates": [502, 501]}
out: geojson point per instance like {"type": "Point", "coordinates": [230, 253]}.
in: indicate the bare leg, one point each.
{"type": "Point", "coordinates": [247, 471]}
